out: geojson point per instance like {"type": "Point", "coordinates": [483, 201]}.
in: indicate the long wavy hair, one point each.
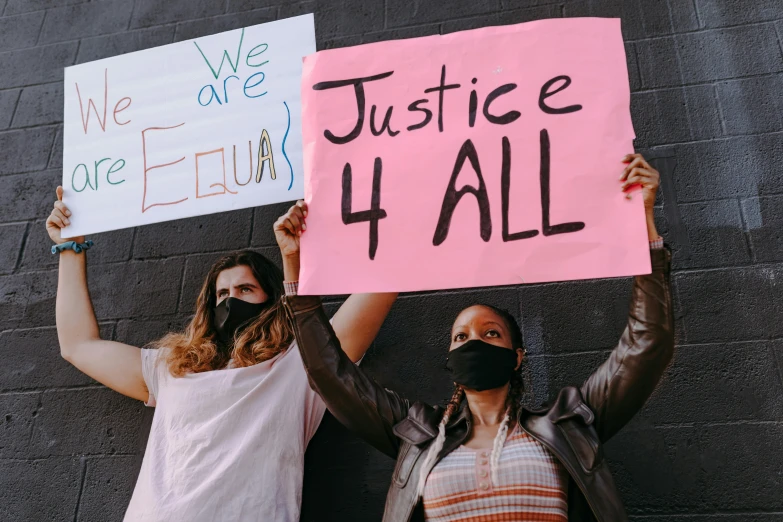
{"type": "Point", "coordinates": [516, 391]}
{"type": "Point", "coordinates": [197, 349]}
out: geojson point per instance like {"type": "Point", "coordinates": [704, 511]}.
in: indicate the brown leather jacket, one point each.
{"type": "Point", "coordinates": [573, 428]}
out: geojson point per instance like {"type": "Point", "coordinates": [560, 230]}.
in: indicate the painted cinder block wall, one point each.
{"type": "Point", "coordinates": [707, 102]}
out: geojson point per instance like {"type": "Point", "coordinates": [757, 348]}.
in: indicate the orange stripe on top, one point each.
{"type": "Point", "coordinates": [531, 485]}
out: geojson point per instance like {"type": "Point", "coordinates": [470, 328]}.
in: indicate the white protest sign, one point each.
{"type": "Point", "coordinates": [186, 129]}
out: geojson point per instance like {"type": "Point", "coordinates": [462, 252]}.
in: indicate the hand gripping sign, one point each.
{"type": "Point", "coordinates": [485, 157]}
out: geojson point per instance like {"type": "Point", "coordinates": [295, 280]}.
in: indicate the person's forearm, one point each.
{"type": "Point", "coordinates": [291, 267]}
{"type": "Point", "coordinates": [652, 232]}
{"type": "Point", "coordinates": [76, 320]}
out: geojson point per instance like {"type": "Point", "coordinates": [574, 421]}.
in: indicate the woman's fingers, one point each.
{"type": "Point", "coordinates": [62, 217]}
{"type": "Point", "coordinates": [56, 220]}
{"type": "Point", "coordinates": [297, 214]}
{"type": "Point", "coordinates": [295, 219]}
{"type": "Point", "coordinates": [634, 161]}
{"type": "Point", "coordinates": [290, 227]}
{"type": "Point", "coordinates": [59, 205]}
{"type": "Point", "coordinates": [59, 192]}
{"type": "Point", "coordinates": [301, 204]}
{"type": "Point", "coordinates": [639, 176]}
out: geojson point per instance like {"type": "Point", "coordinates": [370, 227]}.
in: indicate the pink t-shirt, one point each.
{"type": "Point", "coordinates": [226, 445]}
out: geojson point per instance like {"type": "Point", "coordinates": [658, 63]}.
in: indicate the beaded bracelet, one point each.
{"type": "Point", "coordinates": [72, 245]}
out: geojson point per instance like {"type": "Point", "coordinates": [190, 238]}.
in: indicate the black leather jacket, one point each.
{"type": "Point", "coordinates": [573, 428]}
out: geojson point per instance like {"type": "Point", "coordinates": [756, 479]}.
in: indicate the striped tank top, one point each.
{"type": "Point", "coordinates": [532, 485]}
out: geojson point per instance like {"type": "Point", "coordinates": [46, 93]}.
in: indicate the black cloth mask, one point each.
{"type": "Point", "coordinates": [232, 314]}
{"type": "Point", "coordinates": [478, 365]}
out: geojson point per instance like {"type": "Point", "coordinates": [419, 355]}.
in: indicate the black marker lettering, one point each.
{"type": "Point", "coordinates": [441, 89]}
{"type": "Point", "coordinates": [453, 196]}
{"type": "Point", "coordinates": [506, 118]}
{"type": "Point", "coordinates": [427, 114]}
{"type": "Point", "coordinates": [505, 182]}
{"type": "Point", "coordinates": [551, 230]}
{"type": "Point", "coordinates": [358, 86]}
{"type": "Point", "coordinates": [546, 94]}
{"type": "Point", "coordinates": [375, 213]}
{"type": "Point", "coordinates": [386, 126]}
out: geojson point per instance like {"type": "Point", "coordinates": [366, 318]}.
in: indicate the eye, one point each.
{"type": "Point", "coordinates": [460, 337]}
{"type": "Point", "coordinates": [492, 333]}
{"type": "Point", "coordinates": [222, 293]}
{"type": "Point", "coordinates": [245, 289]}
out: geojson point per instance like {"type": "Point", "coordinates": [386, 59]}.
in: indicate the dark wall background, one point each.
{"type": "Point", "coordinates": [707, 99]}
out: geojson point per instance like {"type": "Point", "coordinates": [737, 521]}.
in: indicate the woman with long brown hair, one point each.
{"type": "Point", "coordinates": [485, 457]}
{"type": "Point", "coordinates": [234, 411]}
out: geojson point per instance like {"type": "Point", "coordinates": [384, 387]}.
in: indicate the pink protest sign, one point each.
{"type": "Point", "coordinates": [486, 157]}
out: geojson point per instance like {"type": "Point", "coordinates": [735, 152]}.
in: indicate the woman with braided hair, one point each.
{"type": "Point", "coordinates": [486, 457]}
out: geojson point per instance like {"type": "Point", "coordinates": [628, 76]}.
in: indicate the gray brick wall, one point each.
{"type": "Point", "coordinates": [707, 80]}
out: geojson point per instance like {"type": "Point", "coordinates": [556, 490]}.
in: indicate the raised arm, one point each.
{"type": "Point", "coordinates": [113, 364]}
{"type": "Point", "coordinates": [359, 319]}
{"type": "Point", "coordinates": [329, 350]}
{"type": "Point", "coordinates": [357, 401]}
{"type": "Point", "coordinates": [624, 382]}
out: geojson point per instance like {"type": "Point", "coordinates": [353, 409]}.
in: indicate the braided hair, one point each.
{"type": "Point", "coordinates": [513, 404]}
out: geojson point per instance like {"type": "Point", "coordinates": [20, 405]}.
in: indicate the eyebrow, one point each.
{"type": "Point", "coordinates": [457, 328]}
{"type": "Point", "coordinates": [240, 285]}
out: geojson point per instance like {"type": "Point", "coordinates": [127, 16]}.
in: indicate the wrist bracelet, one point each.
{"type": "Point", "coordinates": [72, 245]}
{"type": "Point", "coordinates": [656, 243]}
{"type": "Point", "coordinates": [291, 287]}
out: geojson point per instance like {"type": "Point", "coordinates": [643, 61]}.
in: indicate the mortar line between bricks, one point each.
{"type": "Point", "coordinates": [181, 286]}
{"type": "Point", "coordinates": [33, 126]}
{"type": "Point", "coordinates": [769, 264]}
{"type": "Point", "coordinates": [21, 248]}
{"type": "Point", "coordinates": [718, 424]}
{"type": "Point", "coordinates": [8, 131]}
{"type": "Point", "coordinates": [58, 389]}
{"type": "Point", "coordinates": [706, 30]}
{"type": "Point", "coordinates": [684, 346]}
{"type": "Point", "coordinates": [38, 406]}
{"type": "Point", "coordinates": [29, 85]}
{"type": "Point", "coordinates": [132, 244]}
{"type": "Point", "coordinates": [132, 29]}
{"type": "Point", "coordinates": [709, 82]}
{"type": "Point", "coordinates": [40, 29]}
{"type": "Point", "coordinates": [720, 138]}
{"type": "Point", "coordinates": [45, 327]}
{"type": "Point", "coordinates": [132, 15]}
{"type": "Point", "coordinates": [691, 514]}
{"type": "Point", "coordinates": [680, 73]}
{"type": "Point", "coordinates": [86, 456]}
{"type": "Point", "coordinates": [721, 116]}
{"type": "Point", "coordinates": [636, 60]}
{"type": "Point", "coordinates": [252, 226]}
{"type": "Point", "coordinates": [83, 462]}
{"type": "Point", "coordinates": [695, 5]}
{"type": "Point", "coordinates": [52, 146]}
{"type": "Point", "coordinates": [16, 106]}
{"type": "Point", "coordinates": [746, 232]}
{"type": "Point", "coordinates": [780, 41]}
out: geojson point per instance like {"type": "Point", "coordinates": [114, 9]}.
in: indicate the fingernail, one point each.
{"type": "Point", "coordinates": [304, 227]}
{"type": "Point", "coordinates": [67, 212]}
{"type": "Point", "coordinates": [305, 213]}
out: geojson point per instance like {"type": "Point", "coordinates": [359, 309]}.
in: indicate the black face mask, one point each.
{"type": "Point", "coordinates": [478, 365]}
{"type": "Point", "coordinates": [232, 314]}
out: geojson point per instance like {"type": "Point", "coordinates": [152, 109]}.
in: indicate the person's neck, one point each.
{"type": "Point", "coordinates": [487, 407]}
